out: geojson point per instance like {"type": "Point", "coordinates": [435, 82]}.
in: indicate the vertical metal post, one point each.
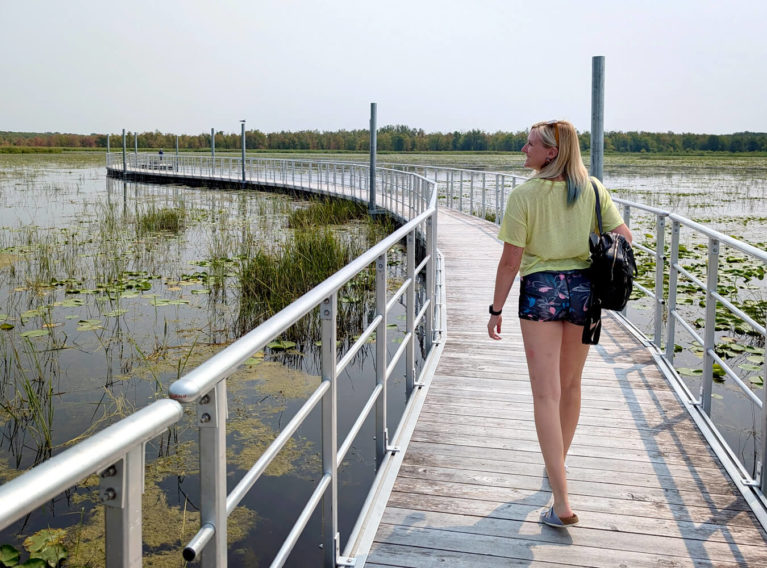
{"type": "Point", "coordinates": [660, 268]}
{"type": "Point", "coordinates": [125, 157]}
{"type": "Point", "coordinates": [328, 316]}
{"type": "Point", "coordinates": [673, 278]}
{"type": "Point", "coordinates": [211, 419]}
{"type": "Point", "coordinates": [381, 359]}
{"type": "Point", "coordinates": [120, 488]}
{"type": "Point", "coordinates": [471, 194]}
{"type": "Point", "coordinates": [373, 151]}
{"type": "Point", "coordinates": [135, 146]}
{"type": "Point", "coordinates": [712, 275]}
{"type": "Point", "coordinates": [431, 296]}
{"type": "Point", "coordinates": [410, 316]}
{"type": "Point", "coordinates": [761, 472]}
{"type": "Point", "coordinates": [242, 122]}
{"type": "Point", "coordinates": [107, 143]}
{"type": "Point", "coordinates": [597, 115]}
{"type": "Point", "coordinates": [212, 151]}
{"type": "Point", "coordinates": [460, 191]}
{"type": "Point", "coordinates": [484, 195]}
{"type": "Point", "coordinates": [176, 152]}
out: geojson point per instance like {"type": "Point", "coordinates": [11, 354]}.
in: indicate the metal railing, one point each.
{"type": "Point", "coordinates": [118, 452]}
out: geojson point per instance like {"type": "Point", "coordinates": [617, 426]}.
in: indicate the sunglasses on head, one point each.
{"type": "Point", "coordinates": [554, 123]}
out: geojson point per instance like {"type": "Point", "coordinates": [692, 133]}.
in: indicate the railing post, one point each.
{"type": "Point", "coordinates": [597, 115]}
{"type": "Point", "coordinates": [460, 191]}
{"type": "Point", "coordinates": [211, 420]}
{"type": "Point", "coordinates": [242, 123]}
{"type": "Point", "coordinates": [373, 149]}
{"type": "Point", "coordinates": [660, 267]}
{"type": "Point", "coordinates": [410, 316]}
{"type": "Point", "coordinates": [431, 275]}
{"type": "Point", "coordinates": [761, 469]}
{"type": "Point", "coordinates": [471, 194]}
{"type": "Point", "coordinates": [328, 316]}
{"type": "Point", "coordinates": [484, 196]}
{"type": "Point", "coordinates": [212, 152]}
{"type": "Point", "coordinates": [709, 337]}
{"type": "Point", "coordinates": [381, 359]}
{"type": "Point", "coordinates": [120, 488]}
{"type": "Point", "coordinates": [673, 278]}
{"type": "Point", "coordinates": [125, 158]}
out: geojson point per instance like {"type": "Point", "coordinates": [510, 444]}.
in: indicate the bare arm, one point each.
{"type": "Point", "coordinates": [508, 267]}
{"type": "Point", "coordinates": [625, 231]}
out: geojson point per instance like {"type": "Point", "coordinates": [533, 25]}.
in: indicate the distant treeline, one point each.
{"type": "Point", "coordinates": [394, 139]}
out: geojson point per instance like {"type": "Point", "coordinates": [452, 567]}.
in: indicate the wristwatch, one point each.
{"type": "Point", "coordinates": [493, 312]}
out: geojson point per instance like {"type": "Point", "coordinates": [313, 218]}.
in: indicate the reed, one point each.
{"type": "Point", "coordinates": [165, 219]}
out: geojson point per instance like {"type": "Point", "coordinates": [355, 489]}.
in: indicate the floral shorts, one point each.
{"type": "Point", "coordinates": [555, 296]}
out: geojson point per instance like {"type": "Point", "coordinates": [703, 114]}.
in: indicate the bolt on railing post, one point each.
{"type": "Point", "coordinates": [410, 316]}
{"type": "Point", "coordinates": [660, 267]}
{"type": "Point", "coordinates": [328, 316]}
{"type": "Point", "coordinates": [709, 337]}
{"type": "Point", "coordinates": [120, 488]}
{"type": "Point", "coordinates": [673, 278]}
{"type": "Point", "coordinates": [211, 420]}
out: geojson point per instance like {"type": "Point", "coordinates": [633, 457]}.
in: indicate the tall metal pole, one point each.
{"type": "Point", "coordinates": [107, 143]}
{"type": "Point", "coordinates": [135, 145]}
{"type": "Point", "coordinates": [242, 122]}
{"type": "Point", "coordinates": [212, 151]}
{"type": "Point", "coordinates": [373, 148]}
{"type": "Point", "coordinates": [597, 115]}
{"type": "Point", "coordinates": [125, 159]}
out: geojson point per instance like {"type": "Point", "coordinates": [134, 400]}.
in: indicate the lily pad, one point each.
{"type": "Point", "coordinates": [6, 326]}
{"type": "Point", "coordinates": [35, 333]}
{"type": "Point", "coordinates": [89, 325]}
{"type": "Point", "coordinates": [280, 344]}
{"type": "Point", "coordinates": [116, 313]}
{"type": "Point", "coordinates": [689, 372]}
{"type": "Point", "coordinates": [9, 556]}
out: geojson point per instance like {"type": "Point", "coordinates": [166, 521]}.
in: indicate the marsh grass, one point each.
{"type": "Point", "coordinates": [325, 211]}
{"type": "Point", "coordinates": [165, 219]}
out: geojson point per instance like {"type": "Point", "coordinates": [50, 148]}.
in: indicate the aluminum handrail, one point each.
{"type": "Point", "coordinates": [45, 481]}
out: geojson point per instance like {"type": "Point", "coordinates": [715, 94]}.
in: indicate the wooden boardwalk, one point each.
{"type": "Point", "coordinates": [471, 486]}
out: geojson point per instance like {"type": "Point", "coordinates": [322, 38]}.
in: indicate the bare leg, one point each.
{"type": "Point", "coordinates": [572, 358]}
{"type": "Point", "coordinates": [543, 342]}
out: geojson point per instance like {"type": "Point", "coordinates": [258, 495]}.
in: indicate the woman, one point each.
{"type": "Point", "coordinates": [545, 231]}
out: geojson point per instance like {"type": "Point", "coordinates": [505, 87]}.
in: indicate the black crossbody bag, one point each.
{"type": "Point", "coordinates": [612, 274]}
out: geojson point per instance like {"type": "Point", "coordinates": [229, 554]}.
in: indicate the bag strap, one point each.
{"type": "Point", "coordinates": [598, 207]}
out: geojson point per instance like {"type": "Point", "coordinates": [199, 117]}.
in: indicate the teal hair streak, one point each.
{"type": "Point", "coordinates": [573, 192]}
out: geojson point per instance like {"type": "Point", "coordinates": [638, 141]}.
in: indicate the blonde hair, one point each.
{"type": "Point", "coordinates": [568, 163]}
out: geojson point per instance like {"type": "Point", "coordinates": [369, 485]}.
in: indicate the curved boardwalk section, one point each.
{"type": "Point", "coordinates": [648, 490]}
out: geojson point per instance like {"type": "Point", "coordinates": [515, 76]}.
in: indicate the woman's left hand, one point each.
{"type": "Point", "coordinates": [494, 327]}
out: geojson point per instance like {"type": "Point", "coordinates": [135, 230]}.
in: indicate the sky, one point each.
{"type": "Point", "coordinates": [185, 67]}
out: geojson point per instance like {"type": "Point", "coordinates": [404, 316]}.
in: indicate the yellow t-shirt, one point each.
{"type": "Point", "coordinates": [554, 236]}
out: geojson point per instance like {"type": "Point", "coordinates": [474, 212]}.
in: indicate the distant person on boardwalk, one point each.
{"type": "Point", "coordinates": [545, 231]}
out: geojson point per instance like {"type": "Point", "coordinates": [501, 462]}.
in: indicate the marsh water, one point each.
{"type": "Point", "coordinates": [98, 317]}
